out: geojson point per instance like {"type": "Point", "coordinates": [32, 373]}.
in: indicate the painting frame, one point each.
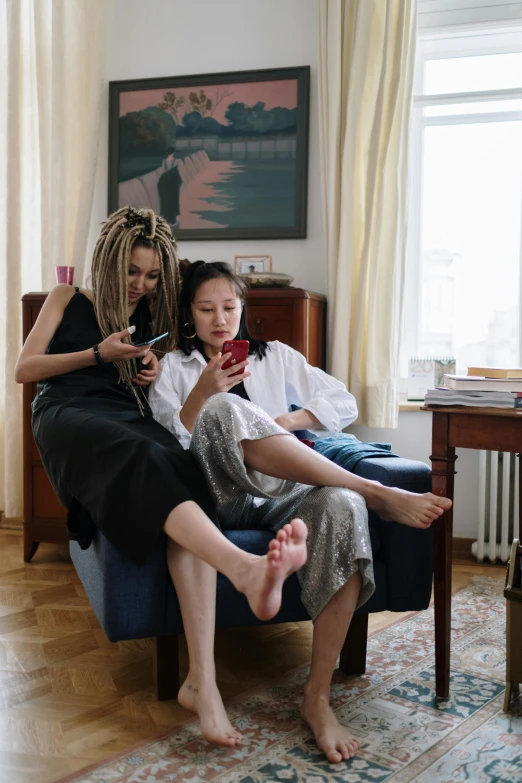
{"type": "Point", "coordinates": [298, 208]}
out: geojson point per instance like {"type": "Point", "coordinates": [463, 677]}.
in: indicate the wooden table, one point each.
{"type": "Point", "coordinates": [495, 429]}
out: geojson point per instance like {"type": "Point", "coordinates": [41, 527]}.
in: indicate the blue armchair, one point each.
{"type": "Point", "coordinates": [132, 602]}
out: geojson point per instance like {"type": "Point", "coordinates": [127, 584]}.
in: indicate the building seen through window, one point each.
{"type": "Point", "coordinates": [464, 257]}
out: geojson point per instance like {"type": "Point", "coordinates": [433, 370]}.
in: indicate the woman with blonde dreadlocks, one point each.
{"type": "Point", "coordinates": [111, 464]}
{"type": "Point", "coordinates": [90, 417]}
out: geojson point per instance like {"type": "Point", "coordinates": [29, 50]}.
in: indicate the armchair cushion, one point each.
{"type": "Point", "coordinates": [129, 601]}
{"type": "Point", "coordinates": [407, 474]}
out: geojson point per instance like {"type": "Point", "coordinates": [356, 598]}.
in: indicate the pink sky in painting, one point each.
{"type": "Point", "coordinates": [273, 93]}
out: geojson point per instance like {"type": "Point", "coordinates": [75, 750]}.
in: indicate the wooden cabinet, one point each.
{"type": "Point", "coordinates": [44, 515]}
{"type": "Point", "coordinates": [294, 316]}
{"type": "Point", "coordinates": [291, 315]}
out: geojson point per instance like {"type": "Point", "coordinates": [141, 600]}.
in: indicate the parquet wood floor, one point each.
{"type": "Point", "coordinates": [70, 698]}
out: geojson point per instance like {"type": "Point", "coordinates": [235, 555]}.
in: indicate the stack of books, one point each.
{"type": "Point", "coordinates": [482, 387]}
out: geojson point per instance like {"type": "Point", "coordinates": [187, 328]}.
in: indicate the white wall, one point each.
{"type": "Point", "coordinates": [175, 37]}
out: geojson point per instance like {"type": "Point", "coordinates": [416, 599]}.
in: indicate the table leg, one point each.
{"type": "Point", "coordinates": [443, 472]}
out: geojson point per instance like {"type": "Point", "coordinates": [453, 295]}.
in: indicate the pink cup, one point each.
{"type": "Point", "coordinates": [65, 274]}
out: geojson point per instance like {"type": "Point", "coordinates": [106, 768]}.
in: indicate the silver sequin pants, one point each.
{"type": "Point", "coordinates": [337, 519]}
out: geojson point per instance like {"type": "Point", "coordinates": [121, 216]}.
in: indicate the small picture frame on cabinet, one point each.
{"type": "Point", "coordinates": [245, 265]}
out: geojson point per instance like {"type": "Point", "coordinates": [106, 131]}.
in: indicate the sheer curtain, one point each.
{"type": "Point", "coordinates": [366, 59]}
{"type": "Point", "coordinates": [52, 58]}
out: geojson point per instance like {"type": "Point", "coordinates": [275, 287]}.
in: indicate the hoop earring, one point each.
{"type": "Point", "coordinates": [186, 336]}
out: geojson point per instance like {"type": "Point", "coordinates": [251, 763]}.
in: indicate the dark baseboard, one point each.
{"type": "Point", "coordinates": [461, 549]}
{"type": "Point", "coordinates": [461, 552]}
{"type": "Point", "coordinates": [11, 523]}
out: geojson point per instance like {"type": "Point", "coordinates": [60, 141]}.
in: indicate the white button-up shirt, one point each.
{"type": "Point", "coordinates": [281, 379]}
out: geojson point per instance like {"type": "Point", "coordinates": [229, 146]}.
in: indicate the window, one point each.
{"type": "Point", "coordinates": [462, 287]}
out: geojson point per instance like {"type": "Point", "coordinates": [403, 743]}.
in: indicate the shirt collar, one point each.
{"type": "Point", "coordinates": [195, 355]}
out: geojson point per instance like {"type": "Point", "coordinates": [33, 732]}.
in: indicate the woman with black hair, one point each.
{"type": "Point", "coordinates": [275, 383]}
{"type": "Point", "coordinates": [187, 397]}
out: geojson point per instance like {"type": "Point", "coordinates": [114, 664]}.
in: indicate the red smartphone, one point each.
{"type": "Point", "coordinates": [239, 351]}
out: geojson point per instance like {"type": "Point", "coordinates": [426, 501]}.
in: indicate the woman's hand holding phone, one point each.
{"type": "Point", "coordinates": [112, 349]}
{"type": "Point", "coordinates": [214, 379]}
{"type": "Point", "coordinates": [149, 370]}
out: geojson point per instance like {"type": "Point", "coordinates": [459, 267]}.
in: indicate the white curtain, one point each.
{"type": "Point", "coordinates": [52, 62]}
{"type": "Point", "coordinates": [366, 60]}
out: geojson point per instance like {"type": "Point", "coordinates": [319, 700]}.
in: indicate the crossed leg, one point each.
{"type": "Point", "coordinates": [195, 584]}
{"type": "Point", "coordinates": [260, 578]}
{"type": "Point", "coordinates": [285, 457]}
{"type": "Point", "coordinates": [195, 550]}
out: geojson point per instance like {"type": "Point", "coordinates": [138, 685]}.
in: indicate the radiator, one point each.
{"type": "Point", "coordinates": [498, 518]}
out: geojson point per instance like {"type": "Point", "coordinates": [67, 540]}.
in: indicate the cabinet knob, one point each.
{"type": "Point", "coordinates": [258, 326]}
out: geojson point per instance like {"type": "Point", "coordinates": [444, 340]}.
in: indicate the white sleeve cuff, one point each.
{"type": "Point", "coordinates": [326, 414]}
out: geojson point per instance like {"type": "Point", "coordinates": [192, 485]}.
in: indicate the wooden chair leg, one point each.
{"type": "Point", "coordinates": [30, 548]}
{"type": "Point", "coordinates": [166, 667]}
{"type": "Point", "coordinates": [507, 696]}
{"type": "Point", "coordinates": [353, 654]}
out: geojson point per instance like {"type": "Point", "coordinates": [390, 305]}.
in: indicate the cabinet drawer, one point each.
{"type": "Point", "coordinates": [45, 502]}
{"type": "Point", "coordinates": [271, 322]}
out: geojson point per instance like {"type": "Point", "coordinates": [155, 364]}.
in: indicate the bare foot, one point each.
{"type": "Point", "coordinates": [262, 580]}
{"type": "Point", "coordinates": [331, 736]}
{"type": "Point", "coordinates": [408, 508]}
{"type": "Point", "coordinates": [205, 700]}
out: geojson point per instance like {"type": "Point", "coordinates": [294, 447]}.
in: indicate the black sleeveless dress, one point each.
{"type": "Point", "coordinates": [115, 469]}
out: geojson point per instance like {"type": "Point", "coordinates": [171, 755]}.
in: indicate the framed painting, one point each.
{"type": "Point", "coordinates": [220, 156]}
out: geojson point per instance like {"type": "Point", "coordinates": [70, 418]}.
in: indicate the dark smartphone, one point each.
{"type": "Point", "coordinates": [239, 351]}
{"type": "Point", "coordinates": [152, 340]}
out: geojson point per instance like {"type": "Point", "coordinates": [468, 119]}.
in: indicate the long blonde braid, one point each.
{"type": "Point", "coordinates": [110, 279]}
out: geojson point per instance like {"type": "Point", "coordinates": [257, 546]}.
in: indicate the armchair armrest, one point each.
{"type": "Point", "coordinates": [407, 551]}
{"type": "Point", "coordinates": [407, 474]}
{"type": "Point", "coordinates": [129, 601]}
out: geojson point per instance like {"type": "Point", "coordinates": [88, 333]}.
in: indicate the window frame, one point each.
{"type": "Point", "coordinates": [431, 46]}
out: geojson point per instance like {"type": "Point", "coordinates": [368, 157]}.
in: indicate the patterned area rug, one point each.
{"type": "Point", "coordinates": [407, 734]}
